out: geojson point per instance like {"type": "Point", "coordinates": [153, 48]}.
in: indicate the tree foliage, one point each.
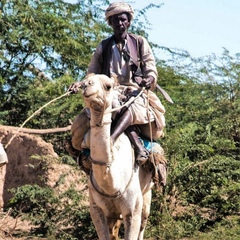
{"type": "Point", "coordinates": [42, 41]}
{"type": "Point", "coordinates": [202, 143]}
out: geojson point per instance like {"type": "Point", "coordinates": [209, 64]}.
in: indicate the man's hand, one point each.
{"type": "Point", "coordinates": [147, 82]}
{"type": "Point", "coordinates": [74, 88]}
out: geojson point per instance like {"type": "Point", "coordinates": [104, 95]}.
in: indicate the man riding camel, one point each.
{"type": "Point", "coordinates": [129, 59]}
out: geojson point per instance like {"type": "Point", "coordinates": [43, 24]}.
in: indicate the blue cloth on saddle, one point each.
{"type": "Point", "coordinates": [151, 146]}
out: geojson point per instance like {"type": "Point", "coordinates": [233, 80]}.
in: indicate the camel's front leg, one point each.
{"type": "Point", "coordinates": [99, 220]}
{"type": "Point", "coordinates": [132, 220]}
{"type": "Point", "coordinates": [147, 197]}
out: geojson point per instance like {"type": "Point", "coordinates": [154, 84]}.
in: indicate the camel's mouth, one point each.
{"type": "Point", "coordinates": [87, 92]}
{"type": "Point", "coordinates": [89, 95]}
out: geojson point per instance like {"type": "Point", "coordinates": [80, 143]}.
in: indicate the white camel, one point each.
{"type": "Point", "coordinates": [119, 190]}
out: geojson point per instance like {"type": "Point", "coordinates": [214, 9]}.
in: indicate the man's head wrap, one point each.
{"type": "Point", "coordinates": [118, 8]}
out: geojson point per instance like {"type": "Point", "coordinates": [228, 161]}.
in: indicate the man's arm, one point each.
{"type": "Point", "coordinates": [148, 64]}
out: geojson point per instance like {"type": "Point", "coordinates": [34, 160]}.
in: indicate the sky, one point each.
{"type": "Point", "coordinates": [201, 27]}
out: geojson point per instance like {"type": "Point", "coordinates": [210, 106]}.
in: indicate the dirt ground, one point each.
{"type": "Point", "coordinates": [26, 165]}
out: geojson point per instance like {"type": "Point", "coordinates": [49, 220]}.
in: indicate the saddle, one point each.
{"type": "Point", "coordinates": [156, 163]}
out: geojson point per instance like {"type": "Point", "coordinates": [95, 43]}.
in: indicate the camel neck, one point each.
{"type": "Point", "coordinates": [100, 143]}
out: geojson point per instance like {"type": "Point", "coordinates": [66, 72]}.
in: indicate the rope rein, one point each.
{"type": "Point", "coordinates": [126, 103]}
{"type": "Point", "coordinates": [57, 98]}
{"type": "Point", "coordinates": [118, 193]}
{"type": "Point", "coordinates": [63, 95]}
{"type": "Point", "coordinates": [150, 127]}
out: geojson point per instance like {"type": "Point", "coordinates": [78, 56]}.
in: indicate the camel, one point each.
{"type": "Point", "coordinates": [119, 189]}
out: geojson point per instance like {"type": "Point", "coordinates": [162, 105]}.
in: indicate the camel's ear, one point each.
{"type": "Point", "coordinates": [89, 75]}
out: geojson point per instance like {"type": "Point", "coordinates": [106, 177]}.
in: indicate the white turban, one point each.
{"type": "Point", "coordinates": [118, 8]}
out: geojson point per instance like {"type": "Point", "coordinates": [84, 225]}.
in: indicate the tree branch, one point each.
{"type": "Point", "coordinates": [38, 131]}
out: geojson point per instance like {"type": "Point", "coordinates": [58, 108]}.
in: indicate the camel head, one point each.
{"type": "Point", "coordinates": [97, 90]}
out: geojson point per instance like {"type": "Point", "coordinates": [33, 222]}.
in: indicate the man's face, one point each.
{"type": "Point", "coordinates": [120, 23]}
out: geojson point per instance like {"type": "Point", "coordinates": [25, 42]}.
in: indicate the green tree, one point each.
{"type": "Point", "coordinates": [42, 41]}
{"type": "Point", "coordinates": [201, 143]}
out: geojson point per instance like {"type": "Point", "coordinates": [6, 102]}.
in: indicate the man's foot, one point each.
{"type": "Point", "coordinates": [142, 157]}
